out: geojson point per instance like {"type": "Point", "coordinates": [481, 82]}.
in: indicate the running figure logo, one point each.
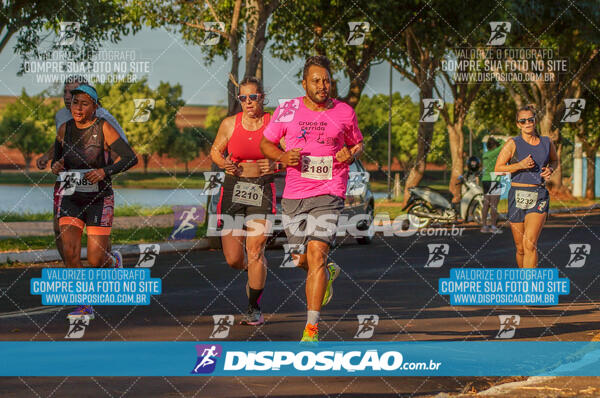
{"type": "Point", "coordinates": [187, 219]}
{"type": "Point", "coordinates": [68, 182]}
{"type": "Point", "coordinates": [77, 327]}
{"type": "Point", "coordinates": [357, 183]}
{"type": "Point", "coordinates": [508, 326]}
{"type": "Point", "coordinates": [573, 109]}
{"type": "Point", "coordinates": [287, 110]}
{"type": "Point", "coordinates": [207, 358]}
{"type": "Point", "coordinates": [142, 109]}
{"type": "Point", "coordinates": [541, 205]}
{"type": "Point", "coordinates": [499, 32]}
{"type": "Point", "coordinates": [431, 110]}
{"type": "Point", "coordinates": [68, 33]}
{"type": "Point", "coordinates": [366, 326]}
{"type": "Point", "coordinates": [212, 182]}
{"type": "Point", "coordinates": [212, 34]}
{"type": "Point", "coordinates": [437, 254]}
{"type": "Point", "coordinates": [579, 253]}
{"type": "Point", "coordinates": [288, 260]}
{"type": "Point", "coordinates": [302, 135]}
{"type": "Point", "coordinates": [358, 31]}
{"type": "Point", "coordinates": [148, 255]}
{"type": "Point", "coordinates": [222, 325]}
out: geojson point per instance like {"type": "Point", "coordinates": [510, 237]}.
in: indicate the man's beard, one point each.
{"type": "Point", "coordinates": [316, 100]}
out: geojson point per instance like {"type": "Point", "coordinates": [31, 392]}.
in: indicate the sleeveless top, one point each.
{"type": "Point", "coordinates": [83, 149]}
{"type": "Point", "coordinates": [244, 145]}
{"type": "Point", "coordinates": [540, 154]}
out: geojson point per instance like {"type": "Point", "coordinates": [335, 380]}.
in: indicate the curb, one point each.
{"type": "Point", "coordinates": [43, 256]}
{"type": "Point", "coordinates": [507, 388]}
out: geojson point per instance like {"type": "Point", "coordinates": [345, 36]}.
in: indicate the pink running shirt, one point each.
{"type": "Point", "coordinates": [320, 135]}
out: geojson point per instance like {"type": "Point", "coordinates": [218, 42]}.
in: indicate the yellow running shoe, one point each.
{"type": "Point", "coordinates": [311, 334]}
{"type": "Point", "coordinates": [333, 270]}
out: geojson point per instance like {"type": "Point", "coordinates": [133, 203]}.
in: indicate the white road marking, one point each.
{"type": "Point", "coordinates": [46, 309]}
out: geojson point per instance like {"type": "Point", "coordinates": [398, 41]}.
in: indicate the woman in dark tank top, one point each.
{"type": "Point", "coordinates": [530, 159]}
{"type": "Point", "coordinates": [83, 149]}
{"type": "Point", "coordinates": [82, 159]}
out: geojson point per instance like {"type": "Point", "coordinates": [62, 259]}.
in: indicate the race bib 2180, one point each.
{"type": "Point", "coordinates": [317, 167]}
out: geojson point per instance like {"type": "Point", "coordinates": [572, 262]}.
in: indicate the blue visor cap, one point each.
{"type": "Point", "coordinates": [89, 90]}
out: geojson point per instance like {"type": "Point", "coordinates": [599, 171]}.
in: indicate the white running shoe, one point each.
{"type": "Point", "coordinates": [495, 230]}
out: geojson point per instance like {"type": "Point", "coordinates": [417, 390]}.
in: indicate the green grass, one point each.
{"type": "Point", "coordinates": [392, 207]}
{"type": "Point", "coordinates": [19, 178]}
{"type": "Point", "coordinates": [159, 180]}
{"type": "Point", "coordinates": [136, 210]}
{"type": "Point", "coordinates": [118, 237]}
{"type": "Point", "coordinates": [554, 204]}
{"type": "Point", "coordinates": [15, 217]}
{"type": "Point", "coordinates": [561, 204]}
{"type": "Point", "coordinates": [381, 186]}
{"type": "Point", "coordinates": [134, 179]}
{"type": "Point", "coordinates": [124, 211]}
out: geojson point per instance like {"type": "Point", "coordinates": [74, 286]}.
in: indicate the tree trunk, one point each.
{"type": "Point", "coordinates": [456, 139]}
{"type": "Point", "coordinates": [590, 147]}
{"type": "Point", "coordinates": [145, 159]}
{"type": "Point", "coordinates": [233, 105]}
{"type": "Point", "coordinates": [27, 157]}
{"type": "Point", "coordinates": [359, 75]}
{"type": "Point", "coordinates": [259, 70]}
{"type": "Point", "coordinates": [424, 136]}
{"type": "Point", "coordinates": [590, 183]}
{"type": "Point", "coordinates": [187, 169]}
{"type": "Point", "coordinates": [256, 26]}
{"type": "Point", "coordinates": [548, 129]}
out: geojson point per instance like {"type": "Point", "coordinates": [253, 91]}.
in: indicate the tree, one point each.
{"type": "Point", "coordinates": [28, 125]}
{"type": "Point", "coordinates": [317, 27]}
{"type": "Point", "coordinates": [214, 117]}
{"type": "Point", "coordinates": [570, 32]}
{"type": "Point", "coordinates": [417, 57]}
{"type": "Point", "coordinates": [436, 29]}
{"type": "Point", "coordinates": [188, 144]}
{"type": "Point", "coordinates": [587, 131]}
{"type": "Point", "coordinates": [464, 19]}
{"type": "Point", "coordinates": [494, 111]}
{"type": "Point", "coordinates": [34, 22]}
{"type": "Point", "coordinates": [241, 19]}
{"type": "Point", "coordinates": [150, 135]}
{"type": "Point", "coordinates": [372, 115]}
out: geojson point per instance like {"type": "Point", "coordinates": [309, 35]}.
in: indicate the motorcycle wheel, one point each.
{"type": "Point", "coordinates": [420, 207]}
{"type": "Point", "coordinates": [367, 239]}
{"type": "Point", "coordinates": [474, 212]}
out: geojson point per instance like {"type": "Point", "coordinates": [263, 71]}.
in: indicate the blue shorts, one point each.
{"type": "Point", "coordinates": [525, 200]}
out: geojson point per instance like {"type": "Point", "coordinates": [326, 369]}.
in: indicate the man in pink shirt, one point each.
{"type": "Point", "coordinates": [321, 138]}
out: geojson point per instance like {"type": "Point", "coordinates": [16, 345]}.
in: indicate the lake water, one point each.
{"type": "Point", "coordinates": [38, 199]}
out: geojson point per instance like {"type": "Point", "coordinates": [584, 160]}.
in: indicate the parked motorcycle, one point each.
{"type": "Point", "coordinates": [428, 205]}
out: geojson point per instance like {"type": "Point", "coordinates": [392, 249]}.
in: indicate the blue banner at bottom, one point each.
{"type": "Point", "coordinates": [229, 358]}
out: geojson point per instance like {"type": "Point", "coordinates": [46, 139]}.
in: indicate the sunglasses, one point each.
{"type": "Point", "coordinates": [253, 97]}
{"type": "Point", "coordinates": [523, 121]}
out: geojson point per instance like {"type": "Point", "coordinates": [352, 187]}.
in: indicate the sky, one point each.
{"type": "Point", "coordinates": [169, 59]}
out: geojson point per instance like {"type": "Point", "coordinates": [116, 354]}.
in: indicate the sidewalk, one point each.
{"type": "Point", "coordinates": [45, 256]}
{"type": "Point", "coordinates": [41, 228]}
{"type": "Point", "coordinates": [538, 386]}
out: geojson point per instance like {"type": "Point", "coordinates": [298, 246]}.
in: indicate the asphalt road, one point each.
{"type": "Point", "coordinates": [387, 278]}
